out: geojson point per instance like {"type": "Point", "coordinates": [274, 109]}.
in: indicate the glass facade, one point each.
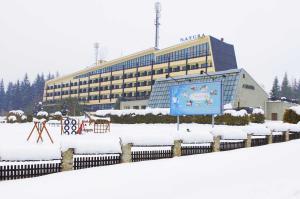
{"type": "Point", "coordinates": [160, 96]}
{"type": "Point", "coordinates": [132, 63]}
{"type": "Point", "coordinates": [186, 53]}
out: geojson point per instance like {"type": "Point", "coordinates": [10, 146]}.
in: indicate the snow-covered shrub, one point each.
{"type": "Point", "coordinates": [228, 119]}
{"type": "Point", "coordinates": [235, 113]}
{"type": "Point", "coordinates": [11, 119]}
{"type": "Point", "coordinates": [167, 119]}
{"type": "Point", "coordinates": [42, 115]}
{"type": "Point", "coordinates": [257, 116]}
{"type": "Point", "coordinates": [16, 116]}
{"type": "Point", "coordinates": [56, 116]}
{"type": "Point", "coordinates": [153, 111]}
{"type": "Point", "coordinates": [233, 117]}
{"type": "Point", "coordinates": [292, 115]}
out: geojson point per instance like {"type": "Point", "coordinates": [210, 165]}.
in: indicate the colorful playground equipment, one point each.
{"type": "Point", "coordinates": [74, 126]}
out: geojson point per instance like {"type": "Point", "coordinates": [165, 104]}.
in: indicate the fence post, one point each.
{"type": "Point", "coordinates": [176, 148]}
{"type": "Point", "coordinates": [126, 153]}
{"type": "Point", "coordinates": [216, 143]}
{"type": "Point", "coordinates": [286, 135]}
{"type": "Point", "coordinates": [248, 141]}
{"type": "Point", "coordinates": [270, 138]}
{"type": "Point", "coordinates": [67, 160]}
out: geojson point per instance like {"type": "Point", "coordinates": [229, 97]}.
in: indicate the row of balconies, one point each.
{"type": "Point", "coordinates": [102, 88]}
{"type": "Point", "coordinates": [129, 75]}
{"type": "Point", "coordinates": [124, 97]}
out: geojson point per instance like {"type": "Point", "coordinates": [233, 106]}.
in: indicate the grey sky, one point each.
{"type": "Point", "coordinates": [58, 35]}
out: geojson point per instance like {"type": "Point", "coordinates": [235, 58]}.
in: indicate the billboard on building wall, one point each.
{"type": "Point", "coordinates": [196, 99]}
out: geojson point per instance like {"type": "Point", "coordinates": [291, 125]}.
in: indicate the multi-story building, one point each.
{"type": "Point", "coordinates": [131, 78]}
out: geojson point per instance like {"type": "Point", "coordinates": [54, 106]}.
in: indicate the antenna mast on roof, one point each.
{"type": "Point", "coordinates": [157, 23]}
{"type": "Point", "coordinates": [96, 46]}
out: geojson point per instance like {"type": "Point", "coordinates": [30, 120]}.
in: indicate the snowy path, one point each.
{"type": "Point", "coordinates": [271, 171]}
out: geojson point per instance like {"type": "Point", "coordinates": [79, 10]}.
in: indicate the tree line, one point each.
{"type": "Point", "coordinates": [22, 95]}
{"type": "Point", "coordinates": [287, 89]}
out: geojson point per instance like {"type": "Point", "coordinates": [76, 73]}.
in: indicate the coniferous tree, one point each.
{"type": "Point", "coordinates": [275, 92]}
{"type": "Point", "coordinates": [38, 88]}
{"type": "Point", "coordinates": [298, 90]}
{"type": "Point", "coordinates": [26, 93]}
{"type": "Point", "coordinates": [9, 97]}
{"type": "Point", "coordinates": [286, 90]}
{"type": "Point", "coordinates": [22, 95]}
{"type": "Point", "coordinates": [2, 97]}
{"type": "Point", "coordinates": [17, 101]}
{"type": "Point", "coordinates": [294, 89]}
{"type": "Point", "coordinates": [50, 76]}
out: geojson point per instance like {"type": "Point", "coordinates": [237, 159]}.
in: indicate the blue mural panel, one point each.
{"type": "Point", "coordinates": [196, 99]}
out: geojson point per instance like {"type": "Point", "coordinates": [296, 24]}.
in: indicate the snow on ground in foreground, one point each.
{"type": "Point", "coordinates": [269, 171]}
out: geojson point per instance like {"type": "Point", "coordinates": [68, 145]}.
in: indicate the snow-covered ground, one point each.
{"type": "Point", "coordinates": [269, 171]}
{"type": "Point", "coordinates": [13, 144]}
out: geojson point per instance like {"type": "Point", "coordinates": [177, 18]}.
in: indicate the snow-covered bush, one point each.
{"type": "Point", "coordinates": [56, 116]}
{"type": "Point", "coordinates": [16, 116]}
{"type": "Point", "coordinates": [11, 119]}
{"type": "Point", "coordinates": [233, 117]}
{"type": "Point", "coordinates": [153, 111]}
{"type": "Point", "coordinates": [292, 115]}
{"type": "Point", "coordinates": [42, 115]}
{"type": "Point", "coordinates": [257, 116]}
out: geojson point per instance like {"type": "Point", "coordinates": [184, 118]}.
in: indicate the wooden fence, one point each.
{"type": "Point", "coordinates": [231, 145]}
{"type": "Point", "coordinates": [259, 141]}
{"type": "Point", "coordinates": [28, 169]}
{"type": "Point", "coordinates": [88, 161]}
{"type": "Point", "coordinates": [196, 149]}
{"type": "Point", "coordinates": [144, 155]}
{"type": "Point", "coordinates": [294, 135]}
{"type": "Point", "coordinates": [277, 138]}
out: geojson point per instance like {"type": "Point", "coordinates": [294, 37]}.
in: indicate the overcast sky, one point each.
{"type": "Point", "coordinates": [58, 35]}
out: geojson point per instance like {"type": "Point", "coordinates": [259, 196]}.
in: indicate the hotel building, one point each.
{"type": "Point", "coordinates": [128, 81]}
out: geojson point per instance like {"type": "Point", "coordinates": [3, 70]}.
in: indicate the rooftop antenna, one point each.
{"type": "Point", "coordinates": [96, 46]}
{"type": "Point", "coordinates": [157, 23]}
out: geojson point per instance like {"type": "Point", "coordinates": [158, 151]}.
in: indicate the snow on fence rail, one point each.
{"type": "Point", "coordinates": [29, 152]}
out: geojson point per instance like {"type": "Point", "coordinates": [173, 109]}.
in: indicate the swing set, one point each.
{"type": "Point", "coordinates": [40, 127]}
